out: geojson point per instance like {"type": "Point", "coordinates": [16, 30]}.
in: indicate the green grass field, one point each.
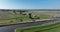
{"type": "Point", "coordinates": [46, 28]}
{"type": "Point", "coordinates": [9, 16]}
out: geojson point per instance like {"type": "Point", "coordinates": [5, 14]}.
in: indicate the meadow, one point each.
{"type": "Point", "coordinates": [45, 28]}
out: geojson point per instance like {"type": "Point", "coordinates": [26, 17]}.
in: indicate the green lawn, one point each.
{"type": "Point", "coordinates": [46, 28]}
{"type": "Point", "coordinates": [54, 30]}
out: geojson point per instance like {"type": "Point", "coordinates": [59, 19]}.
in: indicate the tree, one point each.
{"type": "Point", "coordinates": [14, 11]}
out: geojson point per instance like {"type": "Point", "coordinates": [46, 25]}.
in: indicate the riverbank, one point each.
{"type": "Point", "coordinates": [45, 28]}
{"type": "Point", "coordinates": [24, 22]}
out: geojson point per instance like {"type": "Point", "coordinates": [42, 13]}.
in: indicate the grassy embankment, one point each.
{"type": "Point", "coordinates": [46, 28]}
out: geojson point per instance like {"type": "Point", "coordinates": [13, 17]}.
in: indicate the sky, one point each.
{"type": "Point", "coordinates": [29, 4]}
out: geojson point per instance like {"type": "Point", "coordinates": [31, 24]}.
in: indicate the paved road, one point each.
{"type": "Point", "coordinates": [13, 27]}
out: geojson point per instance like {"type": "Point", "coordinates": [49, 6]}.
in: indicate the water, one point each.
{"type": "Point", "coordinates": [13, 27]}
